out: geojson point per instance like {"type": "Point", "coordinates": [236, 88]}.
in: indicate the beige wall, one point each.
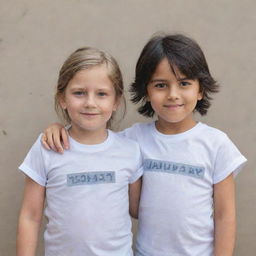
{"type": "Point", "coordinates": [36, 37]}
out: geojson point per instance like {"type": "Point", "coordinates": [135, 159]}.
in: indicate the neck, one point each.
{"type": "Point", "coordinates": [88, 137]}
{"type": "Point", "coordinates": [174, 128]}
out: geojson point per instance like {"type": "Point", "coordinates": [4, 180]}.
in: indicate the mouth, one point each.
{"type": "Point", "coordinates": [173, 106]}
{"type": "Point", "coordinates": [89, 114]}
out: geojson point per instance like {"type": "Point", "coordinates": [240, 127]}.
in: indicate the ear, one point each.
{"type": "Point", "coordinates": [62, 102]}
{"type": "Point", "coordinates": [147, 98]}
{"type": "Point", "coordinates": [200, 96]}
{"type": "Point", "coordinates": [115, 107]}
{"type": "Point", "coordinates": [116, 104]}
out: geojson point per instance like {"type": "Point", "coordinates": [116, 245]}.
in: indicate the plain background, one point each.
{"type": "Point", "coordinates": [37, 36]}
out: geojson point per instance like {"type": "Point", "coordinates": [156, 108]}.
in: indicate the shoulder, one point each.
{"type": "Point", "coordinates": [126, 149]}
{"type": "Point", "coordinates": [37, 149]}
{"type": "Point", "coordinates": [124, 141]}
{"type": "Point", "coordinates": [136, 130]}
{"type": "Point", "coordinates": [226, 156]}
{"type": "Point", "coordinates": [219, 142]}
{"type": "Point", "coordinates": [213, 134]}
{"type": "Point", "coordinates": [37, 146]}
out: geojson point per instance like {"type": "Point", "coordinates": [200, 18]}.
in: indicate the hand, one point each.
{"type": "Point", "coordinates": [55, 138]}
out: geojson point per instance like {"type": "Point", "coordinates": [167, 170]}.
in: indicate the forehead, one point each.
{"type": "Point", "coordinates": [94, 76]}
{"type": "Point", "coordinates": [164, 69]}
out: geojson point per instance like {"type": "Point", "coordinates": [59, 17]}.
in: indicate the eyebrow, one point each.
{"type": "Point", "coordinates": [163, 80]}
{"type": "Point", "coordinates": [76, 88]}
{"type": "Point", "coordinates": [157, 80]}
{"type": "Point", "coordinates": [184, 78]}
{"type": "Point", "coordinates": [83, 89]}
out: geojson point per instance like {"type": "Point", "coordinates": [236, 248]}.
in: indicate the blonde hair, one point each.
{"type": "Point", "coordinates": [86, 58]}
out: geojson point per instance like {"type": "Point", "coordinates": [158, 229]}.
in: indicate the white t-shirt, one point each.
{"type": "Point", "coordinates": [176, 206]}
{"type": "Point", "coordinates": [87, 195]}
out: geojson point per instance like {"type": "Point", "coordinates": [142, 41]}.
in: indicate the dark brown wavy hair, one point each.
{"type": "Point", "coordinates": [182, 53]}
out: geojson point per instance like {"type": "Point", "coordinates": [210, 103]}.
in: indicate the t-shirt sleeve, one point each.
{"type": "Point", "coordinates": [138, 170]}
{"type": "Point", "coordinates": [34, 165]}
{"type": "Point", "coordinates": [228, 160]}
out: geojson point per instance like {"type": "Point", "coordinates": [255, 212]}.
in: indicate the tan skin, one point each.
{"type": "Point", "coordinates": [174, 99]}
{"type": "Point", "coordinates": [224, 217]}
{"type": "Point", "coordinates": [134, 198]}
{"type": "Point", "coordinates": [165, 91]}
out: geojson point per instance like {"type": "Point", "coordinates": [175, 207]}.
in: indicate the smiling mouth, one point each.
{"type": "Point", "coordinates": [89, 114]}
{"type": "Point", "coordinates": [173, 106]}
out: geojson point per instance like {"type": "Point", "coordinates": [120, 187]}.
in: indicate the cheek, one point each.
{"type": "Point", "coordinates": [192, 95]}
{"type": "Point", "coordinates": [72, 104]}
{"type": "Point", "coordinates": [150, 95]}
{"type": "Point", "coordinates": [156, 98]}
{"type": "Point", "coordinates": [114, 102]}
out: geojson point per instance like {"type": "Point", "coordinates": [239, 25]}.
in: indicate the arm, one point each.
{"type": "Point", "coordinates": [134, 198]}
{"type": "Point", "coordinates": [224, 217]}
{"type": "Point", "coordinates": [30, 218]}
{"type": "Point", "coordinates": [55, 138]}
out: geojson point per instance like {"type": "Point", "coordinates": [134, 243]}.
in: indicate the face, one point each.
{"type": "Point", "coordinates": [173, 98]}
{"type": "Point", "coordinates": [90, 99]}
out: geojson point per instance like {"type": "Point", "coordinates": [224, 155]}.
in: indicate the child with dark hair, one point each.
{"type": "Point", "coordinates": [187, 204]}
{"type": "Point", "coordinates": [185, 57]}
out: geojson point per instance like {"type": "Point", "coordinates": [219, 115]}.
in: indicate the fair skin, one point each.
{"type": "Point", "coordinates": [90, 100]}
{"type": "Point", "coordinates": [173, 98]}
{"type": "Point", "coordinates": [30, 218]}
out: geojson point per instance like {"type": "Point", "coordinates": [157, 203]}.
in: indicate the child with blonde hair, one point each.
{"type": "Point", "coordinates": [89, 190]}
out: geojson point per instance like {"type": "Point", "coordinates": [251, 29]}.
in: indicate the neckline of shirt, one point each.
{"type": "Point", "coordinates": [93, 147]}
{"type": "Point", "coordinates": [178, 136]}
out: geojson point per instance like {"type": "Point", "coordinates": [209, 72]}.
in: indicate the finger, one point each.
{"type": "Point", "coordinates": [64, 136]}
{"type": "Point", "coordinates": [57, 140]}
{"type": "Point", "coordinates": [49, 136]}
{"type": "Point", "coordinates": [44, 142]}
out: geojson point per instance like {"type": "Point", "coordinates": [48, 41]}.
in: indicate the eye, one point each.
{"type": "Point", "coordinates": [160, 85]}
{"type": "Point", "coordinates": [102, 94]}
{"type": "Point", "coordinates": [184, 83]}
{"type": "Point", "coordinates": [78, 93]}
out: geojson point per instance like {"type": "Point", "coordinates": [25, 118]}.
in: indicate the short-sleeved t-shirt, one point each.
{"type": "Point", "coordinates": [87, 204]}
{"type": "Point", "coordinates": [176, 205]}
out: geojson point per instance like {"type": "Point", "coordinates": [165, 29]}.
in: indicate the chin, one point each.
{"type": "Point", "coordinates": [90, 127]}
{"type": "Point", "coordinates": [173, 120]}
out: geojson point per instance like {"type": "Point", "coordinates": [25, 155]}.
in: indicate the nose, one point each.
{"type": "Point", "coordinates": [90, 100]}
{"type": "Point", "coordinates": [173, 92]}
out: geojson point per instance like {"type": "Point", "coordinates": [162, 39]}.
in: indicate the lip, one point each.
{"type": "Point", "coordinates": [173, 106]}
{"type": "Point", "coordinates": [89, 114]}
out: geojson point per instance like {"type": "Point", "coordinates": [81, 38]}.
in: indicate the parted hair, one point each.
{"type": "Point", "coordinates": [81, 59]}
{"type": "Point", "coordinates": [184, 55]}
